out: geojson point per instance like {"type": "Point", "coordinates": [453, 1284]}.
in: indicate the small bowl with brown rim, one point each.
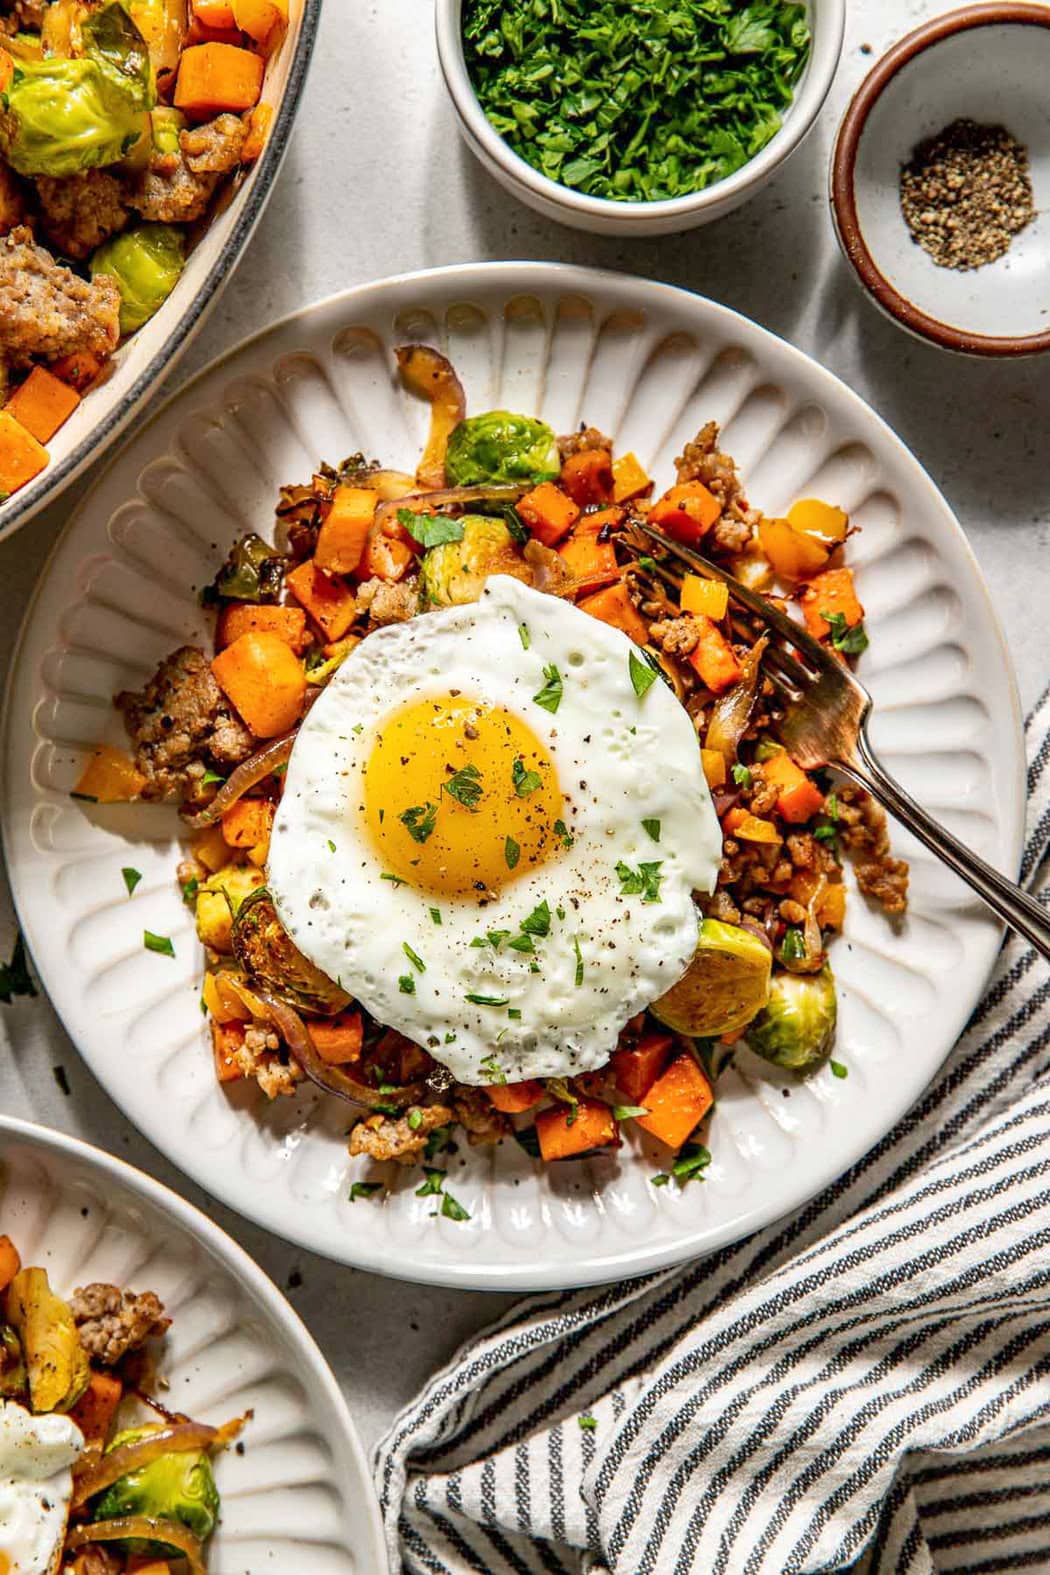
{"type": "Point", "coordinates": [984, 63]}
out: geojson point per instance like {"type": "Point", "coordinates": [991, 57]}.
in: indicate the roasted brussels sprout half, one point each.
{"type": "Point", "coordinates": [797, 1027]}
{"type": "Point", "coordinates": [146, 263]}
{"type": "Point", "coordinates": [254, 572]}
{"type": "Point", "coordinates": [455, 572]}
{"type": "Point", "coordinates": [70, 114]}
{"type": "Point", "coordinates": [274, 963]}
{"type": "Point", "coordinates": [218, 900]}
{"type": "Point", "coordinates": [13, 1376]}
{"type": "Point", "coordinates": [502, 448]}
{"type": "Point", "coordinates": [179, 1487]}
{"type": "Point", "coordinates": [56, 1363]}
{"type": "Point", "coordinates": [726, 983]}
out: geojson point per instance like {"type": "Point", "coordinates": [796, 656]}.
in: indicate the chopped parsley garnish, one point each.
{"type": "Point", "coordinates": [512, 853]}
{"type": "Point", "coordinates": [464, 786]}
{"type": "Point", "coordinates": [793, 946]}
{"type": "Point", "coordinates": [211, 776]}
{"type": "Point", "coordinates": [158, 943]}
{"type": "Point", "coordinates": [407, 984]}
{"type": "Point", "coordinates": [653, 828]}
{"type": "Point", "coordinates": [538, 921]}
{"type": "Point", "coordinates": [689, 1166]}
{"type": "Point", "coordinates": [487, 1000]}
{"type": "Point", "coordinates": [525, 781]}
{"type": "Point", "coordinates": [549, 697]}
{"type": "Point", "coordinates": [437, 1141]}
{"type": "Point", "coordinates": [628, 1112]}
{"type": "Point", "coordinates": [435, 914]}
{"type": "Point", "coordinates": [419, 821]}
{"type": "Point", "coordinates": [189, 889]}
{"type": "Point", "coordinates": [526, 638]}
{"type": "Point", "coordinates": [579, 960]}
{"type": "Point", "coordinates": [434, 1181]}
{"type": "Point", "coordinates": [588, 1423]}
{"type": "Point", "coordinates": [514, 1013]}
{"type": "Point", "coordinates": [364, 1189]}
{"type": "Point", "coordinates": [452, 1210]}
{"type": "Point", "coordinates": [14, 975]}
{"type": "Point", "coordinates": [850, 640]}
{"type": "Point", "coordinates": [562, 831]}
{"type": "Point", "coordinates": [430, 530]}
{"type": "Point", "coordinates": [413, 957]}
{"type": "Point", "coordinates": [643, 882]}
{"type": "Point", "coordinates": [741, 776]}
{"type": "Point", "coordinates": [415, 1120]}
{"type": "Point", "coordinates": [395, 880]}
{"type": "Point", "coordinates": [131, 878]}
{"type": "Point", "coordinates": [491, 1067]}
{"type": "Point", "coordinates": [838, 1070]}
{"type": "Point", "coordinates": [85, 798]}
{"type": "Point", "coordinates": [331, 845]}
{"type": "Point", "coordinates": [643, 677]}
{"type": "Point", "coordinates": [522, 943]}
{"type": "Point", "coordinates": [632, 104]}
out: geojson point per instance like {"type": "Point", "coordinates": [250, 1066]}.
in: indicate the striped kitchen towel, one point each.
{"type": "Point", "coordinates": [863, 1386]}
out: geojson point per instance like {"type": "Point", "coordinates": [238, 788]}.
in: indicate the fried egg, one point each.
{"type": "Point", "coordinates": [36, 1486]}
{"type": "Point", "coordinates": [491, 838]}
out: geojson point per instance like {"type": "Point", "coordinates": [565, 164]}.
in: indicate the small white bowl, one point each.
{"type": "Point", "coordinates": [989, 63]}
{"type": "Point", "coordinates": [600, 215]}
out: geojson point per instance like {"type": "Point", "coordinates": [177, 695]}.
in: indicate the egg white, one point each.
{"type": "Point", "coordinates": [620, 759]}
{"type": "Point", "coordinates": [37, 1454]}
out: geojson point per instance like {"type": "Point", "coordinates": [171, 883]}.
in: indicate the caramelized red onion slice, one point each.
{"type": "Point", "coordinates": [333, 1079]}
{"type": "Point", "coordinates": [430, 501]}
{"type": "Point", "coordinates": [146, 1528]}
{"type": "Point", "coordinates": [426, 372]}
{"type": "Point", "coordinates": [262, 764]}
{"type": "Point", "coordinates": [177, 1439]}
{"type": "Point", "coordinates": [731, 712]}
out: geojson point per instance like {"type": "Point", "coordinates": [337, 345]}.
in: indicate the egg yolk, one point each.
{"type": "Point", "coordinates": [461, 797]}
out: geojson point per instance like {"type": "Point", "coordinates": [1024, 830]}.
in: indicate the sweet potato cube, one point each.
{"type": "Point", "coordinates": [678, 1101]}
{"type": "Point", "coordinates": [21, 456]}
{"type": "Point", "coordinates": [798, 799]}
{"type": "Point", "coordinates": [831, 592]}
{"type": "Point", "coordinates": [614, 606]}
{"type": "Point", "coordinates": [338, 1040]}
{"type": "Point", "coordinates": [42, 403]}
{"type": "Point", "coordinates": [713, 659]}
{"type": "Point", "coordinates": [226, 1040]}
{"type": "Point", "coordinates": [331, 604]}
{"type": "Point", "coordinates": [514, 1098]}
{"type": "Point", "coordinates": [587, 476]}
{"type": "Point", "coordinates": [569, 1130]}
{"type": "Point", "coordinates": [549, 513]}
{"type": "Point", "coordinates": [237, 618]}
{"type": "Point", "coordinates": [635, 1070]}
{"type": "Point", "coordinates": [217, 77]}
{"type": "Point", "coordinates": [629, 478]}
{"type": "Point", "coordinates": [343, 535]}
{"type": "Point", "coordinates": [110, 777]}
{"type": "Point", "coordinates": [686, 512]}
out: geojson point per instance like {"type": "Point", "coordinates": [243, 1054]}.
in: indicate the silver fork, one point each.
{"type": "Point", "coordinates": [825, 719]}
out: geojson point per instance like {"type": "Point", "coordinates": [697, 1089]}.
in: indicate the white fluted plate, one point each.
{"type": "Point", "coordinates": [648, 364]}
{"type": "Point", "coordinates": [299, 1496]}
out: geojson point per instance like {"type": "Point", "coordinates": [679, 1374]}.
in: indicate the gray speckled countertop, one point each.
{"type": "Point", "coordinates": [377, 182]}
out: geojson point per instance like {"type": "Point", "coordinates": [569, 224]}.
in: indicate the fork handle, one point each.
{"type": "Point", "coordinates": [1014, 906]}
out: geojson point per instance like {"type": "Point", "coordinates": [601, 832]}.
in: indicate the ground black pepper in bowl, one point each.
{"type": "Point", "coordinates": [966, 193]}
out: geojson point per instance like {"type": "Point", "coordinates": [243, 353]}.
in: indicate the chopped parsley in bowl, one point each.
{"type": "Point", "coordinates": [628, 114]}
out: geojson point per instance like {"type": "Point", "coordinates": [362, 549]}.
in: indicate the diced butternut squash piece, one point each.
{"type": "Point", "coordinates": [614, 606]}
{"type": "Point", "coordinates": [515, 1098]}
{"type": "Point", "coordinates": [629, 478]}
{"type": "Point", "coordinates": [247, 822]}
{"type": "Point", "coordinates": [714, 659]}
{"type": "Point", "coordinates": [587, 477]}
{"type": "Point", "coordinates": [259, 122]}
{"type": "Point", "coordinates": [636, 1070]}
{"type": "Point", "coordinates": [686, 512]}
{"type": "Point", "coordinates": [21, 456]}
{"type": "Point", "coordinates": [798, 799]}
{"type": "Point", "coordinates": [831, 592]}
{"type": "Point", "coordinates": [338, 1040]}
{"type": "Point", "coordinates": [209, 847]}
{"type": "Point", "coordinates": [200, 33]}
{"type": "Point", "coordinates": [330, 603]}
{"type": "Point", "coordinates": [343, 535]}
{"type": "Point", "coordinates": [226, 1040]}
{"type": "Point", "coordinates": [386, 557]}
{"type": "Point", "coordinates": [589, 552]}
{"type": "Point", "coordinates": [10, 1262]}
{"type": "Point", "coordinates": [831, 909]}
{"type": "Point", "coordinates": [569, 1130]}
{"type": "Point", "coordinates": [95, 1410]}
{"type": "Point", "coordinates": [742, 824]}
{"type": "Point", "coordinates": [263, 20]}
{"type": "Point", "coordinates": [714, 764]}
{"type": "Point", "coordinates": [79, 369]}
{"type": "Point", "coordinates": [217, 77]}
{"type": "Point", "coordinates": [549, 513]}
{"type": "Point", "coordinates": [288, 623]}
{"type": "Point", "coordinates": [264, 680]}
{"type": "Point", "coordinates": [214, 13]}
{"type": "Point", "coordinates": [792, 554]}
{"type": "Point", "coordinates": [822, 520]}
{"type": "Point", "coordinates": [678, 1101]}
{"type": "Point", "coordinates": [699, 595]}
{"type": "Point", "coordinates": [110, 777]}
{"type": "Point", "coordinates": [42, 403]}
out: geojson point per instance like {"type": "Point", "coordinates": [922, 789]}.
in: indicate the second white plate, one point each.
{"type": "Point", "coordinates": [648, 364]}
